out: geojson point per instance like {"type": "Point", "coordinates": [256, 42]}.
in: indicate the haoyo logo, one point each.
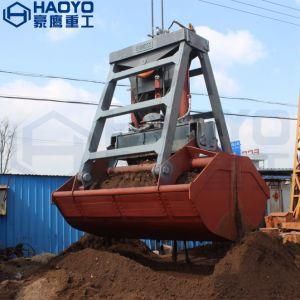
{"type": "Point", "coordinates": [16, 14]}
{"type": "Point", "coordinates": [51, 14]}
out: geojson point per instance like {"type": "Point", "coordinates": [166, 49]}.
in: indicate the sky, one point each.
{"type": "Point", "coordinates": [251, 56]}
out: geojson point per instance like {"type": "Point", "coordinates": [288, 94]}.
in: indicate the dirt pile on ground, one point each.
{"type": "Point", "coordinates": [14, 273]}
{"type": "Point", "coordinates": [10, 288]}
{"type": "Point", "coordinates": [18, 268]}
{"type": "Point", "coordinates": [259, 267]}
{"type": "Point", "coordinates": [11, 252]}
{"type": "Point", "coordinates": [138, 179]}
{"type": "Point", "coordinates": [126, 247]}
{"type": "Point", "coordinates": [95, 274]}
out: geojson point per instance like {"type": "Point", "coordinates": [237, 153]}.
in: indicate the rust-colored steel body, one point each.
{"type": "Point", "coordinates": [226, 197]}
{"type": "Point", "coordinates": [193, 189]}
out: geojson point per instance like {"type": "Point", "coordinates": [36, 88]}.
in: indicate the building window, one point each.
{"type": "Point", "coordinates": [3, 198]}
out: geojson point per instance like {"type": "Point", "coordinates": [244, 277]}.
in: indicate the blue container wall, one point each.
{"type": "Point", "coordinates": [155, 245]}
{"type": "Point", "coordinates": [31, 218]}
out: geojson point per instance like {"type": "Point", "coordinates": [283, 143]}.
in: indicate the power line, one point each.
{"type": "Point", "coordinates": [266, 9]}
{"type": "Point", "coordinates": [52, 100]}
{"type": "Point", "coordinates": [261, 116]}
{"type": "Point", "coordinates": [193, 111]}
{"type": "Point", "coordinates": [50, 141]}
{"type": "Point", "coordinates": [282, 5]}
{"type": "Point", "coordinates": [253, 116]}
{"type": "Point", "coordinates": [250, 13]}
{"type": "Point", "coordinates": [201, 94]}
{"type": "Point", "coordinates": [102, 82]}
{"type": "Point", "coordinates": [116, 105]}
{"type": "Point", "coordinates": [39, 75]}
{"type": "Point", "coordinates": [249, 99]}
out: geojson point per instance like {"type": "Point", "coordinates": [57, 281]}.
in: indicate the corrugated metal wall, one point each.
{"type": "Point", "coordinates": [155, 245]}
{"type": "Point", "coordinates": [31, 218]}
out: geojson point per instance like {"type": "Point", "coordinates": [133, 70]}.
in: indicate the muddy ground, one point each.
{"type": "Point", "coordinates": [259, 267]}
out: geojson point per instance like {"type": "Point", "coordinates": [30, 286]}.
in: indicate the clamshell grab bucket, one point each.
{"type": "Point", "coordinates": [210, 196]}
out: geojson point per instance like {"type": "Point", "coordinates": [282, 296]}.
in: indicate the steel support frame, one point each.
{"type": "Point", "coordinates": [215, 102]}
{"type": "Point", "coordinates": [163, 147]}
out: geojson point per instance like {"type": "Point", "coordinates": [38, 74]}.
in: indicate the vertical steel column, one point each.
{"type": "Point", "coordinates": [172, 109]}
{"type": "Point", "coordinates": [98, 124]}
{"type": "Point", "coordinates": [215, 102]}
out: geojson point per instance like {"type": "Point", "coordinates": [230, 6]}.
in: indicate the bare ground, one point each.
{"type": "Point", "coordinates": [259, 267]}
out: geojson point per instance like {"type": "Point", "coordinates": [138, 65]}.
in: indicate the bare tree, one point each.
{"type": "Point", "coordinates": [7, 139]}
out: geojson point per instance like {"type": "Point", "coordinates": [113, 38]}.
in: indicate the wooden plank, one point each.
{"type": "Point", "coordinates": [291, 225]}
{"type": "Point", "coordinates": [291, 237]}
{"type": "Point", "coordinates": [270, 231]}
